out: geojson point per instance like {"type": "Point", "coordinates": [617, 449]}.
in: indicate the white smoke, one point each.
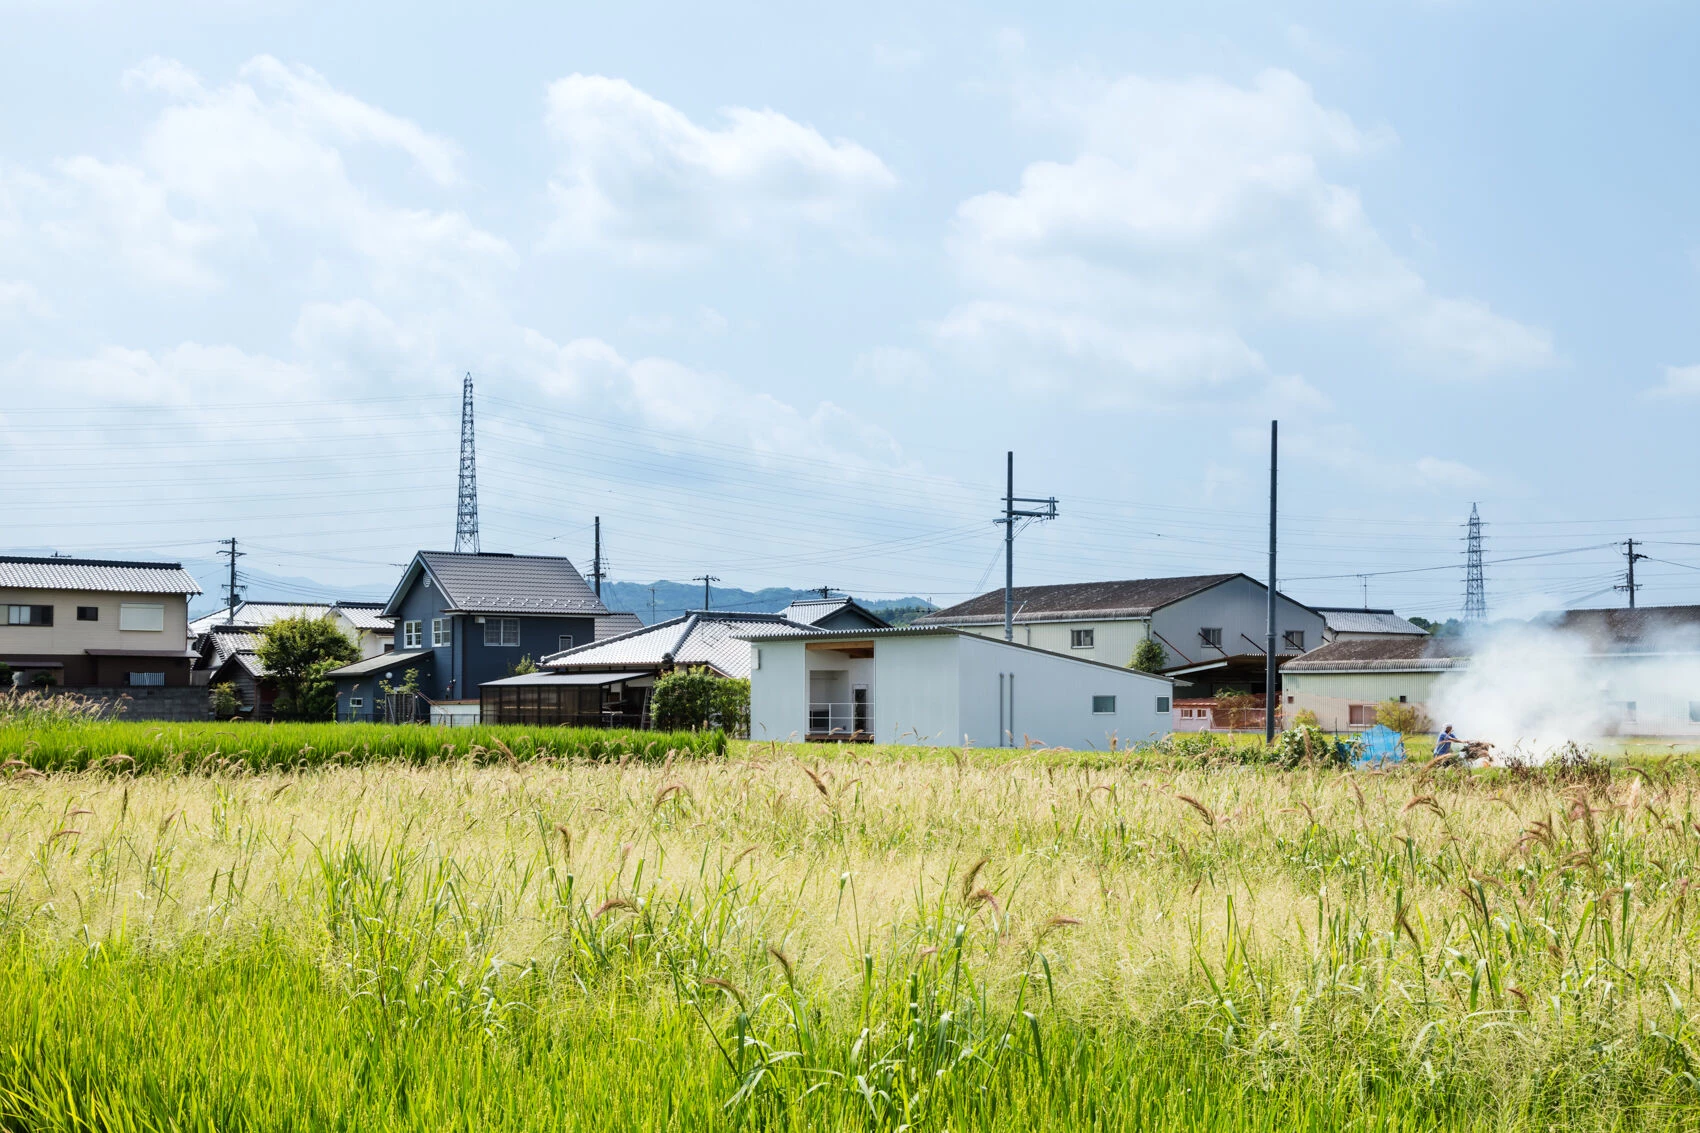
{"type": "Point", "coordinates": [1530, 689]}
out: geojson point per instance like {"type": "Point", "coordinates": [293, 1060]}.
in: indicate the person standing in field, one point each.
{"type": "Point", "coordinates": [1443, 742]}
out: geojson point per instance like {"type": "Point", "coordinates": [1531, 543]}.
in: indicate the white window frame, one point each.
{"type": "Point", "coordinates": [356, 702]}
{"type": "Point", "coordinates": [1097, 700]}
{"type": "Point", "coordinates": [442, 632]}
{"type": "Point", "coordinates": [1294, 639]}
{"type": "Point", "coordinates": [1164, 705]}
{"type": "Point", "coordinates": [563, 643]}
{"type": "Point", "coordinates": [496, 633]}
{"type": "Point", "coordinates": [141, 617]}
{"type": "Point", "coordinates": [412, 633]}
{"type": "Point", "coordinates": [1211, 636]}
{"type": "Point", "coordinates": [1081, 639]}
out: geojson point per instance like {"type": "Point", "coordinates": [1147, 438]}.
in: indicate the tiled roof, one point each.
{"type": "Point", "coordinates": [1385, 654]}
{"type": "Point", "coordinates": [813, 611]}
{"type": "Point", "coordinates": [367, 616]}
{"type": "Point", "coordinates": [1131, 598]}
{"type": "Point", "coordinates": [221, 645]}
{"type": "Point", "coordinates": [110, 575]}
{"type": "Point", "coordinates": [616, 624]}
{"type": "Point", "coordinates": [1385, 622]}
{"type": "Point", "coordinates": [255, 615]}
{"type": "Point", "coordinates": [711, 638]}
{"type": "Point", "coordinates": [506, 584]}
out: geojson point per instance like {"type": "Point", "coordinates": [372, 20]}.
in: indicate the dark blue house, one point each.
{"type": "Point", "coordinates": [464, 619]}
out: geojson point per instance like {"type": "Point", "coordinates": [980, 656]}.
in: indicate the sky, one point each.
{"type": "Point", "coordinates": [772, 289]}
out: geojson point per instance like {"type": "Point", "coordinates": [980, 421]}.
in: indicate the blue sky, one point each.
{"type": "Point", "coordinates": [772, 289]}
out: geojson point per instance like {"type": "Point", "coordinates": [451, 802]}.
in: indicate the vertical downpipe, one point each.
{"type": "Point", "coordinates": [1012, 710]}
{"type": "Point", "coordinates": [1003, 736]}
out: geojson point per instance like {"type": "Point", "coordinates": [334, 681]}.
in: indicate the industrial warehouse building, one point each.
{"type": "Point", "coordinates": [937, 685]}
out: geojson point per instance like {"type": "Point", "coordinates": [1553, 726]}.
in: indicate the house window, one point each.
{"type": "Point", "coordinates": [1629, 712]}
{"type": "Point", "coordinates": [501, 631]}
{"type": "Point", "coordinates": [1694, 711]}
{"type": "Point", "coordinates": [411, 634]}
{"type": "Point", "coordinates": [1162, 704]}
{"type": "Point", "coordinates": [564, 642]}
{"type": "Point", "coordinates": [147, 680]}
{"type": "Point", "coordinates": [1103, 706]}
{"type": "Point", "coordinates": [1211, 636]}
{"type": "Point", "coordinates": [147, 617]}
{"type": "Point", "coordinates": [355, 703]}
{"type": "Point", "coordinates": [442, 630]}
{"type": "Point", "coordinates": [1295, 639]}
{"type": "Point", "coordinates": [1080, 639]}
{"type": "Point", "coordinates": [1361, 716]}
{"type": "Point", "coordinates": [29, 615]}
{"type": "Point", "coordinates": [88, 613]}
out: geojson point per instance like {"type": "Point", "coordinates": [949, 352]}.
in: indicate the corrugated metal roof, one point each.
{"type": "Point", "coordinates": [507, 584]}
{"type": "Point", "coordinates": [705, 638]}
{"type": "Point", "coordinates": [616, 624]}
{"type": "Point", "coordinates": [111, 575]}
{"type": "Point", "coordinates": [1385, 654]}
{"type": "Point", "coordinates": [1346, 620]}
{"type": "Point", "coordinates": [382, 663]}
{"type": "Point", "coordinates": [1130, 598]}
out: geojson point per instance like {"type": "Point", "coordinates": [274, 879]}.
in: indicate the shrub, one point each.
{"type": "Point", "coordinates": [1149, 657]}
{"type": "Point", "coordinates": [1406, 719]}
{"type": "Point", "coordinates": [43, 679]}
{"type": "Point", "coordinates": [1305, 716]}
{"type": "Point", "coordinates": [5, 675]}
{"type": "Point", "coordinates": [1307, 743]}
{"type": "Point", "coordinates": [297, 653]}
{"type": "Point", "coordinates": [696, 698]}
{"type": "Point", "coordinates": [1233, 710]}
{"type": "Point", "coordinates": [224, 702]}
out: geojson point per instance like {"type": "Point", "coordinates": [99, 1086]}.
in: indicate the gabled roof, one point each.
{"type": "Point", "coordinates": [813, 611]}
{"type": "Point", "coordinates": [383, 663]}
{"type": "Point", "coordinates": [616, 624]}
{"type": "Point", "coordinates": [713, 638]}
{"type": "Point", "coordinates": [257, 615]}
{"type": "Point", "coordinates": [490, 583]}
{"type": "Point", "coordinates": [111, 575]}
{"type": "Point", "coordinates": [1130, 598]}
{"type": "Point", "coordinates": [366, 616]}
{"type": "Point", "coordinates": [1349, 619]}
{"type": "Point", "coordinates": [221, 643]}
{"type": "Point", "coordinates": [1647, 627]}
{"type": "Point", "coordinates": [1403, 654]}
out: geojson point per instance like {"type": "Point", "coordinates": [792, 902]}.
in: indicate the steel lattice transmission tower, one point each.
{"type": "Point", "coordinates": [1475, 583]}
{"type": "Point", "coordinates": [466, 509]}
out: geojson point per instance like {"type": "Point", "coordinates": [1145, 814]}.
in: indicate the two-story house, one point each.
{"type": "Point", "coordinates": [464, 619]}
{"type": "Point", "coordinates": [1212, 628]}
{"type": "Point", "coordinates": [97, 624]}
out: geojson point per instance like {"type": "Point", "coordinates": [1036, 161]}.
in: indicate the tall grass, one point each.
{"type": "Point", "coordinates": [79, 744]}
{"type": "Point", "coordinates": [768, 942]}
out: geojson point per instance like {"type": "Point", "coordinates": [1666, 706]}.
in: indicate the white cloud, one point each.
{"type": "Point", "coordinates": [637, 177]}
{"type": "Point", "coordinates": [1447, 473]}
{"type": "Point", "coordinates": [1680, 382]}
{"type": "Point", "coordinates": [1193, 217]}
{"type": "Point", "coordinates": [20, 298]}
{"type": "Point", "coordinates": [893, 57]}
{"type": "Point", "coordinates": [260, 168]}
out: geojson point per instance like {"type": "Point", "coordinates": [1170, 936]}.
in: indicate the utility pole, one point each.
{"type": "Point", "coordinates": [652, 605]}
{"type": "Point", "coordinates": [1270, 695]}
{"type": "Point", "coordinates": [1475, 582]}
{"type": "Point", "coordinates": [230, 593]}
{"type": "Point", "coordinates": [705, 579]}
{"type": "Point", "coordinates": [596, 571]}
{"type": "Point", "coordinates": [825, 591]}
{"type": "Point", "coordinates": [1364, 580]}
{"type": "Point", "coordinates": [466, 503]}
{"type": "Point", "coordinates": [1629, 583]}
{"type": "Point", "coordinates": [1011, 513]}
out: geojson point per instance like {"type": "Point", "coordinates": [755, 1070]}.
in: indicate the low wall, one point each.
{"type": "Point", "coordinates": [178, 705]}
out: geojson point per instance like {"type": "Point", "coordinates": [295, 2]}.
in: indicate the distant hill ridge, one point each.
{"type": "Point", "coordinates": [675, 598]}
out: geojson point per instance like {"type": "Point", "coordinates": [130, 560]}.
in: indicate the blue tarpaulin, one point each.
{"type": "Point", "coordinates": [1381, 744]}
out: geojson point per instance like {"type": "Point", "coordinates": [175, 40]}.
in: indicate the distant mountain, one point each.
{"type": "Point", "coordinates": [261, 586]}
{"type": "Point", "coordinates": [675, 598]}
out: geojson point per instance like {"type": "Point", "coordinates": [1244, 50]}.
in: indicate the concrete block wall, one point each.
{"type": "Point", "coordinates": [176, 705]}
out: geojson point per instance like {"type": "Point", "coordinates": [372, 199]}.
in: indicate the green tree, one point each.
{"type": "Point", "coordinates": [224, 702]}
{"type": "Point", "coordinates": [1406, 719]}
{"type": "Point", "coordinates": [523, 666]}
{"type": "Point", "coordinates": [696, 698]}
{"type": "Point", "coordinates": [1149, 657]}
{"type": "Point", "coordinates": [297, 653]}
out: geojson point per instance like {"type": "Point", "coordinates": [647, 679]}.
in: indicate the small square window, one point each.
{"type": "Point", "coordinates": [564, 642]}
{"type": "Point", "coordinates": [1080, 639]}
{"type": "Point", "coordinates": [1402, 700]}
{"type": "Point", "coordinates": [1361, 716]}
{"type": "Point", "coordinates": [1103, 706]}
{"type": "Point", "coordinates": [1162, 704]}
{"type": "Point", "coordinates": [1295, 639]}
{"type": "Point", "coordinates": [88, 613]}
{"type": "Point", "coordinates": [501, 631]}
{"type": "Point", "coordinates": [1211, 636]}
{"type": "Point", "coordinates": [357, 702]}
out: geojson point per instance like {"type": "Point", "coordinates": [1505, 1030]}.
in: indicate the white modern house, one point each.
{"type": "Point", "coordinates": [936, 685]}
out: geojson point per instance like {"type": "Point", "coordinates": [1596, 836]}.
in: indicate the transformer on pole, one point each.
{"type": "Point", "coordinates": [466, 508]}
{"type": "Point", "coordinates": [1045, 508]}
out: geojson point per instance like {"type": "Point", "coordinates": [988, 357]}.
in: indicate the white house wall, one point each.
{"type": "Point", "coordinates": [1113, 640]}
{"type": "Point", "coordinates": [1053, 699]}
{"type": "Point", "coordinates": [779, 691]}
{"type": "Point", "coordinates": [918, 690]}
{"type": "Point", "coordinates": [1240, 609]}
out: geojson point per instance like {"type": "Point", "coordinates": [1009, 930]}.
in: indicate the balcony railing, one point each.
{"type": "Point", "coordinates": [841, 717]}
